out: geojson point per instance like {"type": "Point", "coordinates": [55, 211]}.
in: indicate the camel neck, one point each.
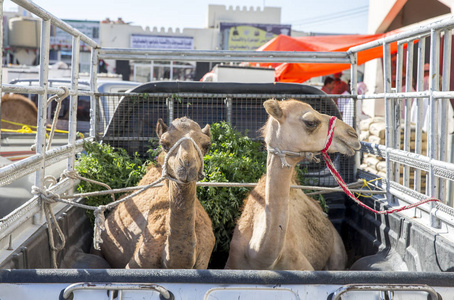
{"type": "Point", "coordinates": [277, 187]}
{"type": "Point", "coordinates": [268, 242]}
{"type": "Point", "coordinates": [181, 237]}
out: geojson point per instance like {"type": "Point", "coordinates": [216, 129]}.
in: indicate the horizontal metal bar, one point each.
{"type": "Point", "coordinates": [410, 196]}
{"type": "Point", "coordinates": [211, 95]}
{"type": "Point", "coordinates": [413, 38]}
{"type": "Point", "coordinates": [384, 287]}
{"type": "Point", "coordinates": [223, 53]}
{"type": "Point", "coordinates": [31, 164]}
{"type": "Point", "coordinates": [404, 95]}
{"type": "Point", "coordinates": [246, 58]}
{"type": "Point", "coordinates": [229, 185]}
{"type": "Point", "coordinates": [442, 169]}
{"type": "Point", "coordinates": [422, 30]}
{"type": "Point", "coordinates": [23, 214]}
{"type": "Point", "coordinates": [165, 294]}
{"type": "Point", "coordinates": [22, 89]}
{"type": "Point", "coordinates": [45, 15]}
{"type": "Point", "coordinates": [26, 89]}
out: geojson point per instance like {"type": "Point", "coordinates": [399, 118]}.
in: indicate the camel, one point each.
{"type": "Point", "coordinates": [280, 228]}
{"type": "Point", "coordinates": [165, 227]}
{"type": "Point", "coordinates": [19, 109]}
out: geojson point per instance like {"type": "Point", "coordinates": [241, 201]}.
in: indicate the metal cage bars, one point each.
{"type": "Point", "coordinates": [438, 137]}
{"type": "Point", "coordinates": [253, 56]}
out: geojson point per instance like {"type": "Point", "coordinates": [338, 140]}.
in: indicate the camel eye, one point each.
{"type": "Point", "coordinates": [165, 146]}
{"type": "Point", "coordinates": [206, 147]}
{"type": "Point", "coordinates": [311, 123]}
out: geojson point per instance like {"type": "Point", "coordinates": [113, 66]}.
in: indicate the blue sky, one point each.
{"type": "Point", "coordinates": [328, 16]}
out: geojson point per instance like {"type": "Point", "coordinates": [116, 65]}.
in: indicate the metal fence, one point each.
{"type": "Point", "coordinates": [241, 105]}
{"type": "Point", "coordinates": [243, 110]}
{"type": "Point", "coordinates": [411, 115]}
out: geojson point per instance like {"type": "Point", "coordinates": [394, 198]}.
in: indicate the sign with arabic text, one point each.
{"type": "Point", "coordinates": [245, 36]}
{"type": "Point", "coordinates": [61, 38]}
{"type": "Point", "coordinates": [161, 42]}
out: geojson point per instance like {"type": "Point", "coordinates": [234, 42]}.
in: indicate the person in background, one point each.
{"type": "Point", "coordinates": [347, 108]}
{"type": "Point", "coordinates": [340, 86]}
{"type": "Point", "coordinates": [328, 85]}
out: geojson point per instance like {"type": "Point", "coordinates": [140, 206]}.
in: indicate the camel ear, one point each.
{"type": "Point", "coordinates": [206, 130]}
{"type": "Point", "coordinates": [161, 127]}
{"type": "Point", "coordinates": [273, 109]}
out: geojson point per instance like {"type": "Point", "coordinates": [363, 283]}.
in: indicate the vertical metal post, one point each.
{"type": "Point", "coordinates": [444, 105]}
{"type": "Point", "coordinates": [171, 71]}
{"type": "Point", "coordinates": [433, 128]}
{"type": "Point", "coordinates": [94, 88]}
{"type": "Point", "coordinates": [228, 106]}
{"type": "Point", "coordinates": [73, 100]}
{"type": "Point", "coordinates": [389, 120]}
{"type": "Point", "coordinates": [42, 101]}
{"type": "Point", "coordinates": [397, 106]}
{"type": "Point", "coordinates": [170, 107]}
{"type": "Point", "coordinates": [356, 111]}
{"type": "Point", "coordinates": [407, 106]}
{"type": "Point", "coordinates": [419, 109]}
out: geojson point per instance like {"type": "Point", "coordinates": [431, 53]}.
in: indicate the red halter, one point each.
{"type": "Point", "coordinates": [343, 185]}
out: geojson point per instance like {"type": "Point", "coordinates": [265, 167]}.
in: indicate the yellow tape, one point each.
{"type": "Point", "coordinates": [366, 184]}
{"type": "Point", "coordinates": [31, 126]}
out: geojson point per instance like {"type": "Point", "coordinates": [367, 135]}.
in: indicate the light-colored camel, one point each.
{"type": "Point", "coordinates": [18, 109]}
{"type": "Point", "coordinates": [282, 228]}
{"type": "Point", "coordinates": [165, 227]}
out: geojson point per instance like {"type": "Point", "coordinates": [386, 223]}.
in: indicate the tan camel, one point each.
{"type": "Point", "coordinates": [284, 229]}
{"type": "Point", "coordinates": [19, 109]}
{"type": "Point", "coordinates": [165, 227]}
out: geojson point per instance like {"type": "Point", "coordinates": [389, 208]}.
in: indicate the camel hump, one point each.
{"type": "Point", "coordinates": [18, 109]}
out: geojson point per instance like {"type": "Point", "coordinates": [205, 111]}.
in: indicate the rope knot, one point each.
{"type": "Point", "coordinates": [281, 155]}
{"type": "Point", "coordinates": [45, 195]}
{"type": "Point", "coordinates": [70, 174]}
{"type": "Point", "coordinates": [100, 220]}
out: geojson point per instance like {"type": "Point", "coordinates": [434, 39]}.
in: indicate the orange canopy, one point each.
{"type": "Point", "coordinates": [300, 72]}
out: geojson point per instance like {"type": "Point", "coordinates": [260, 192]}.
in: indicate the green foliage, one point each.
{"type": "Point", "coordinates": [112, 166]}
{"type": "Point", "coordinates": [233, 158]}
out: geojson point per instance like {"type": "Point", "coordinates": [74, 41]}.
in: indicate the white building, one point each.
{"type": "Point", "coordinates": [238, 28]}
{"type": "Point", "coordinates": [388, 15]}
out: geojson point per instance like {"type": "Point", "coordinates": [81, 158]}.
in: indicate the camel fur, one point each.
{"type": "Point", "coordinates": [165, 227]}
{"type": "Point", "coordinates": [19, 109]}
{"type": "Point", "coordinates": [282, 228]}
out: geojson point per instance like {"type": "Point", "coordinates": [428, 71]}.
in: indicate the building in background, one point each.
{"type": "Point", "coordinates": [227, 28]}
{"type": "Point", "coordinates": [388, 15]}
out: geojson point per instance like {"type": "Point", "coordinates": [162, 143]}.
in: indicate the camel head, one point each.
{"type": "Point", "coordinates": [295, 126]}
{"type": "Point", "coordinates": [184, 163]}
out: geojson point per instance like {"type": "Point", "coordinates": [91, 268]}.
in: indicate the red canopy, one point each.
{"type": "Point", "coordinates": [300, 72]}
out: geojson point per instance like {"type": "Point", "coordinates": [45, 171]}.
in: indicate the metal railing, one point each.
{"type": "Point", "coordinates": [437, 163]}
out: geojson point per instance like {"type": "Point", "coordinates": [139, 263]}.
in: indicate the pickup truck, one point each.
{"type": "Point", "coordinates": [404, 255]}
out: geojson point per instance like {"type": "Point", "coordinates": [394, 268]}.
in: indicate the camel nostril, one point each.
{"type": "Point", "coordinates": [352, 133]}
{"type": "Point", "coordinates": [201, 176]}
{"type": "Point", "coordinates": [184, 162]}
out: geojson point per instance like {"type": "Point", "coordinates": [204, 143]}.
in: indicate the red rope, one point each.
{"type": "Point", "coordinates": [343, 185]}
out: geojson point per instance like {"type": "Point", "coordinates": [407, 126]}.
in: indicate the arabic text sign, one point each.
{"type": "Point", "coordinates": [162, 42]}
{"type": "Point", "coordinates": [243, 36]}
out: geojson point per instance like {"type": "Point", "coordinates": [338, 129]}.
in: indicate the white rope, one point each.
{"type": "Point", "coordinates": [222, 184]}
{"type": "Point", "coordinates": [283, 153]}
{"type": "Point", "coordinates": [50, 197]}
{"type": "Point", "coordinates": [59, 100]}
